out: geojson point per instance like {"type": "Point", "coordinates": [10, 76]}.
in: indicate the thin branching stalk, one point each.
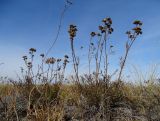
{"type": "Point", "coordinates": [132, 37]}
{"type": "Point", "coordinates": [125, 57]}
{"type": "Point", "coordinates": [106, 56]}
{"type": "Point", "coordinates": [101, 53]}
{"type": "Point", "coordinates": [75, 64]}
{"type": "Point", "coordinates": [66, 7]}
{"type": "Point", "coordinates": [97, 59]}
{"type": "Point", "coordinates": [89, 55]}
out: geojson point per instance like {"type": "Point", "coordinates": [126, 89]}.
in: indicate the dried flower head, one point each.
{"type": "Point", "coordinates": [24, 57]}
{"type": "Point", "coordinates": [93, 34]}
{"type": "Point", "coordinates": [110, 30]}
{"type": "Point", "coordinates": [81, 47]}
{"type": "Point", "coordinates": [107, 21]}
{"type": "Point", "coordinates": [42, 55]}
{"type": "Point", "coordinates": [128, 32]}
{"type": "Point", "coordinates": [131, 36]}
{"type": "Point", "coordinates": [137, 30]}
{"type": "Point", "coordinates": [72, 31]}
{"type": "Point", "coordinates": [104, 20]}
{"type": "Point", "coordinates": [111, 46]}
{"type": "Point", "coordinates": [98, 34]}
{"type": "Point", "coordinates": [50, 60]}
{"type": "Point", "coordinates": [66, 56]}
{"type": "Point", "coordinates": [92, 44]}
{"type": "Point", "coordinates": [29, 64]}
{"type": "Point", "coordinates": [58, 60]}
{"type": "Point", "coordinates": [66, 61]}
{"type": "Point", "coordinates": [137, 22]}
{"type": "Point", "coordinates": [32, 50]}
{"type": "Point", "coordinates": [102, 29]}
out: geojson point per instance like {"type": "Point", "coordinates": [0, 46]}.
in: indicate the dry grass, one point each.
{"type": "Point", "coordinates": [56, 102]}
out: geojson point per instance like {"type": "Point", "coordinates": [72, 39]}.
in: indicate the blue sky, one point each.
{"type": "Point", "coordinates": [33, 23]}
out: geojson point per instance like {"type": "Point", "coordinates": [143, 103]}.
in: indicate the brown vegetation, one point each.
{"type": "Point", "coordinates": [45, 96]}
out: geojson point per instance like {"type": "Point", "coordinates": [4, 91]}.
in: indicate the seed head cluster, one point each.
{"type": "Point", "coordinates": [42, 55]}
{"type": "Point", "coordinates": [29, 64]}
{"type": "Point", "coordinates": [24, 58]}
{"type": "Point", "coordinates": [136, 30]}
{"type": "Point", "coordinates": [107, 26]}
{"type": "Point", "coordinates": [72, 31]}
{"type": "Point", "coordinates": [50, 60]}
{"type": "Point", "coordinates": [32, 50]}
{"type": "Point", "coordinates": [137, 22]}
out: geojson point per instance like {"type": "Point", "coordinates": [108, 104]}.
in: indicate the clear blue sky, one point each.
{"type": "Point", "coordinates": [33, 23]}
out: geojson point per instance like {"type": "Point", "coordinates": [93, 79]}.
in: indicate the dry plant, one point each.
{"type": "Point", "coordinates": [42, 94]}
